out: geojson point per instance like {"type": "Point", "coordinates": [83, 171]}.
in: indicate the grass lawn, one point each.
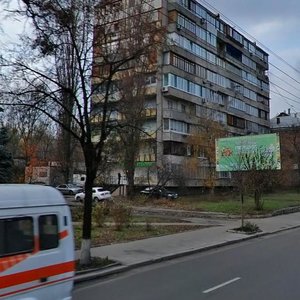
{"type": "Point", "coordinates": [108, 235]}
{"type": "Point", "coordinates": [228, 204]}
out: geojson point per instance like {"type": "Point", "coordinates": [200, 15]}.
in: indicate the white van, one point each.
{"type": "Point", "coordinates": [36, 243]}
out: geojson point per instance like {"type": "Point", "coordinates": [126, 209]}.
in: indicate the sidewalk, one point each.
{"type": "Point", "coordinates": [147, 251]}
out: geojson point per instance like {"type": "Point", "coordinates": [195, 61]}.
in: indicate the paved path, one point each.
{"type": "Point", "coordinates": [142, 252]}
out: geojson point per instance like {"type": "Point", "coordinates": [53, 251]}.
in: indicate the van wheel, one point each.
{"type": "Point", "coordinates": [96, 199]}
{"type": "Point", "coordinates": [78, 199]}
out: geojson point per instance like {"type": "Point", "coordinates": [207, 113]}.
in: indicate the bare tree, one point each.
{"type": "Point", "coordinates": [290, 149]}
{"type": "Point", "coordinates": [254, 171]}
{"type": "Point", "coordinates": [132, 109]}
{"type": "Point", "coordinates": [260, 168]}
{"type": "Point", "coordinates": [202, 150]}
{"type": "Point", "coordinates": [86, 29]}
{"type": "Point", "coordinates": [66, 74]}
{"type": "Point", "coordinates": [31, 127]}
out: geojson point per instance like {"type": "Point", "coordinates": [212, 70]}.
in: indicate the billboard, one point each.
{"type": "Point", "coordinates": [243, 153]}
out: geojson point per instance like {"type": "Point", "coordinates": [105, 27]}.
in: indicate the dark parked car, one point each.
{"type": "Point", "coordinates": [69, 189]}
{"type": "Point", "coordinates": [159, 192]}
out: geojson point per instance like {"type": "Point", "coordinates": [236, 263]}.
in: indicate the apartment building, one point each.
{"type": "Point", "coordinates": [206, 70]}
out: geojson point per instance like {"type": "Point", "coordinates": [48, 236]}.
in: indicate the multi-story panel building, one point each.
{"type": "Point", "coordinates": [207, 70]}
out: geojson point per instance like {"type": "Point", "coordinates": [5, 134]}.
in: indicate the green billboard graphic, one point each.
{"type": "Point", "coordinates": [242, 153]}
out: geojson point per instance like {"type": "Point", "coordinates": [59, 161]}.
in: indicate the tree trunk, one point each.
{"type": "Point", "coordinates": [129, 165]}
{"type": "Point", "coordinates": [257, 199]}
{"type": "Point", "coordinates": [91, 172]}
{"type": "Point", "coordinates": [85, 255]}
{"type": "Point", "coordinates": [85, 252]}
{"type": "Point", "coordinates": [130, 188]}
{"type": "Point", "coordinates": [242, 210]}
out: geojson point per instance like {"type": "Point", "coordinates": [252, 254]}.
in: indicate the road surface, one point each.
{"type": "Point", "coordinates": [267, 268]}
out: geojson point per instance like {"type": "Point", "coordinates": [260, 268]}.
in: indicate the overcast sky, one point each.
{"type": "Point", "coordinates": [276, 25]}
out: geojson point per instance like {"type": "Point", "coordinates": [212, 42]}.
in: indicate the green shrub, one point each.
{"type": "Point", "coordinates": [148, 225]}
{"type": "Point", "coordinates": [99, 214]}
{"type": "Point", "coordinates": [249, 228]}
{"type": "Point", "coordinates": [77, 213]}
{"type": "Point", "coordinates": [121, 216]}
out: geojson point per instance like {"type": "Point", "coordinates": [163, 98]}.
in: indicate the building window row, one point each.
{"type": "Point", "coordinates": [193, 88]}
{"type": "Point", "coordinates": [202, 13]}
{"type": "Point", "coordinates": [242, 106]}
{"type": "Point", "coordinates": [196, 49]}
{"type": "Point", "coordinates": [212, 114]}
{"type": "Point", "coordinates": [176, 126]}
{"type": "Point", "coordinates": [201, 111]}
{"type": "Point", "coordinates": [197, 30]}
{"type": "Point", "coordinates": [190, 67]}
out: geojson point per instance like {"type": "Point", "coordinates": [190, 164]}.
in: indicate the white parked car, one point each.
{"type": "Point", "coordinates": [99, 194]}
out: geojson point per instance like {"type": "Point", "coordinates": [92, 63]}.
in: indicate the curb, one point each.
{"type": "Point", "coordinates": [120, 269]}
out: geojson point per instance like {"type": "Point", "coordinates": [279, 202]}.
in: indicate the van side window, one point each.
{"type": "Point", "coordinates": [48, 229]}
{"type": "Point", "coordinates": [16, 236]}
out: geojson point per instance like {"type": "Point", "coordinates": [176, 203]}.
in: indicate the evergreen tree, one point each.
{"type": "Point", "coordinates": [6, 162]}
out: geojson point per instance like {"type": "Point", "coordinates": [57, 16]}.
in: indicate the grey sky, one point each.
{"type": "Point", "coordinates": [275, 24]}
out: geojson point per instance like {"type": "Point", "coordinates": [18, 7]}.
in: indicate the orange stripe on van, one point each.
{"type": "Point", "coordinates": [36, 274]}
{"type": "Point", "coordinates": [35, 286]}
{"type": "Point", "coordinates": [63, 234]}
{"type": "Point", "coordinates": [10, 261]}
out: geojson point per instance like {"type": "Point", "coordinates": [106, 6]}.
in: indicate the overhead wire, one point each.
{"type": "Point", "coordinates": [269, 51]}
{"type": "Point", "coordinates": [286, 82]}
{"type": "Point", "coordinates": [262, 46]}
{"type": "Point", "coordinates": [280, 94]}
{"type": "Point", "coordinates": [249, 35]}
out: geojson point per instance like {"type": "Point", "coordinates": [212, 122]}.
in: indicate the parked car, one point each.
{"type": "Point", "coordinates": [99, 194]}
{"type": "Point", "coordinates": [159, 192]}
{"type": "Point", "coordinates": [69, 189]}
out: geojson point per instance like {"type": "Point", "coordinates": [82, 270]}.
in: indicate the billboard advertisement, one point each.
{"type": "Point", "coordinates": [243, 153]}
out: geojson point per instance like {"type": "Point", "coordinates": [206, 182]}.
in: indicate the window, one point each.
{"type": "Point", "coordinates": [151, 80]}
{"type": "Point", "coordinates": [48, 229]}
{"type": "Point", "coordinates": [16, 236]}
{"type": "Point", "coordinates": [174, 148]}
{"type": "Point", "coordinates": [224, 174]}
{"type": "Point", "coordinates": [248, 62]}
{"type": "Point", "coordinates": [234, 52]}
{"type": "Point", "coordinates": [235, 121]}
{"type": "Point", "coordinates": [176, 126]}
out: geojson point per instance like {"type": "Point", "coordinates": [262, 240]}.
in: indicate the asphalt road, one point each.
{"type": "Point", "coordinates": [262, 269]}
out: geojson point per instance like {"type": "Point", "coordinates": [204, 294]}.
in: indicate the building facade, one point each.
{"type": "Point", "coordinates": [207, 70]}
{"type": "Point", "coordinates": [287, 126]}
